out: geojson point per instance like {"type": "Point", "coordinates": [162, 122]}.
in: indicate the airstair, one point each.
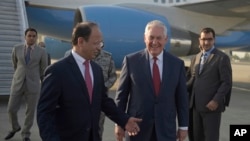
{"type": "Point", "coordinates": [13, 22]}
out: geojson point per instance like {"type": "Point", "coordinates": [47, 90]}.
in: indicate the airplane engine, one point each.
{"type": "Point", "coordinates": [183, 43]}
{"type": "Point", "coordinates": [123, 30]}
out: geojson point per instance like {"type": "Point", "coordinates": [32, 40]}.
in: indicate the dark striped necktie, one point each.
{"type": "Point", "coordinates": [203, 61]}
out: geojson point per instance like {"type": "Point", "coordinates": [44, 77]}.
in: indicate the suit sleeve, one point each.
{"type": "Point", "coordinates": [43, 63]}
{"type": "Point", "coordinates": [190, 76]}
{"type": "Point", "coordinates": [47, 106]}
{"type": "Point", "coordinates": [123, 88]}
{"type": "Point", "coordinates": [182, 98]}
{"type": "Point", "coordinates": [14, 58]}
{"type": "Point", "coordinates": [49, 59]}
{"type": "Point", "coordinates": [115, 114]}
{"type": "Point", "coordinates": [110, 109]}
{"type": "Point", "coordinates": [225, 73]}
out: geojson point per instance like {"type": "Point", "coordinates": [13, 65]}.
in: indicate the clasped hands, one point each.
{"type": "Point", "coordinates": [131, 127]}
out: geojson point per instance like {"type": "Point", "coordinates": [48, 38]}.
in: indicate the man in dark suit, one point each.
{"type": "Point", "coordinates": [73, 93]}
{"type": "Point", "coordinates": [210, 83]}
{"type": "Point", "coordinates": [157, 96]}
{"type": "Point", "coordinates": [105, 61]}
{"type": "Point", "coordinates": [29, 62]}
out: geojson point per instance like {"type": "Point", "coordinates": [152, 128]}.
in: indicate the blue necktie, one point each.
{"type": "Point", "coordinates": [27, 56]}
{"type": "Point", "coordinates": [203, 60]}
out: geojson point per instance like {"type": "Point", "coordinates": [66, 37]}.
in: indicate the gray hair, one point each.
{"type": "Point", "coordinates": [156, 23]}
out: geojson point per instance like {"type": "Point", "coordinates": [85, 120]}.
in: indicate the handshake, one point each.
{"type": "Point", "coordinates": [131, 127]}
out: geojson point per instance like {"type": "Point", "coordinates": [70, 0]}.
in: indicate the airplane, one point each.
{"type": "Point", "coordinates": [123, 21]}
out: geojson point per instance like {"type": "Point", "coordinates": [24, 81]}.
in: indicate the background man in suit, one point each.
{"type": "Point", "coordinates": [29, 63]}
{"type": "Point", "coordinates": [42, 44]}
{"type": "Point", "coordinates": [211, 84]}
{"type": "Point", "coordinates": [156, 101]}
{"type": "Point", "coordinates": [73, 93]}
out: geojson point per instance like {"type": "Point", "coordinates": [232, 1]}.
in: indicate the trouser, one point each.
{"type": "Point", "coordinates": [206, 125]}
{"type": "Point", "coordinates": [14, 105]}
{"type": "Point", "coordinates": [101, 124]}
{"type": "Point", "coordinates": [190, 127]}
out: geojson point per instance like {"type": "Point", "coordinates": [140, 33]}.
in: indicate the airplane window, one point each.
{"type": "Point", "coordinates": [177, 0]}
{"type": "Point", "coordinates": [170, 1]}
{"type": "Point", "coordinates": [163, 1]}
{"type": "Point", "coordinates": [155, 0]}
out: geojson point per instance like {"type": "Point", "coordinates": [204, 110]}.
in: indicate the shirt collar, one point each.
{"type": "Point", "coordinates": [159, 57]}
{"type": "Point", "coordinates": [32, 46]}
{"type": "Point", "coordinates": [209, 51]}
{"type": "Point", "coordinates": [78, 58]}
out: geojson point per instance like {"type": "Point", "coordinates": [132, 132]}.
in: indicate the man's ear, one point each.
{"type": "Point", "coordinates": [81, 41]}
{"type": "Point", "coordinates": [166, 38]}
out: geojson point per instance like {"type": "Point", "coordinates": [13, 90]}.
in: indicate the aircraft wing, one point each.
{"type": "Point", "coordinates": [222, 15]}
{"type": "Point", "coordinates": [224, 8]}
{"type": "Point", "coordinates": [122, 22]}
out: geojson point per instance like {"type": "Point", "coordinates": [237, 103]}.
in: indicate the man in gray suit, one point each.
{"type": "Point", "coordinates": [210, 85]}
{"type": "Point", "coordinates": [29, 63]}
{"type": "Point", "coordinates": [153, 87]}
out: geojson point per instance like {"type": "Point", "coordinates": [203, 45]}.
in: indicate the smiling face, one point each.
{"type": "Point", "coordinates": [91, 48]}
{"type": "Point", "coordinates": [87, 40]}
{"type": "Point", "coordinates": [155, 39]}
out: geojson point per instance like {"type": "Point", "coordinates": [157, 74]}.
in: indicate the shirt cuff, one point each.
{"type": "Point", "coordinates": [183, 128]}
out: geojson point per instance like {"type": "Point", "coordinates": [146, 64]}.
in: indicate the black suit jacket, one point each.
{"type": "Point", "coordinates": [64, 111]}
{"type": "Point", "coordinates": [213, 83]}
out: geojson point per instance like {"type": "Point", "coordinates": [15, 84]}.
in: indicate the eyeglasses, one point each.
{"type": "Point", "coordinates": [99, 44]}
{"type": "Point", "coordinates": [207, 39]}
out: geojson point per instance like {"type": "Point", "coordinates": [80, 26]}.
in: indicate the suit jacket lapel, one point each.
{"type": "Point", "coordinates": [165, 72]}
{"type": "Point", "coordinates": [146, 69]}
{"type": "Point", "coordinates": [22, 52]}
{"type": "Point", "coordinates": [33, 54]}
{"type": "Point", "coordinates": [210, 57]}
{"type": "Point", "coordinates": [197, 63]}
{"type": "Point", "coordinates": [78, 76]}
{"type": "Point", "coordinates": [95, 84]}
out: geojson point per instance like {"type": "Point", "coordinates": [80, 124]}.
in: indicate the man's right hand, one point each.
{"type": "Point", "coordinates": [132, 126]}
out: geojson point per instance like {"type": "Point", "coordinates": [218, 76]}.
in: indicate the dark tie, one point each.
{"type": "Point", "coordinates": [88, 80]}
{"type": "Point", "coordinates": [203, 60]}
{"type": "Point", "coordinates": [27, 55]}
{"type": "Point", "coordinates": [156, 77]}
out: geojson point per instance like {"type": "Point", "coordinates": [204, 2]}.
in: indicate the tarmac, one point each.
{"type": "Point", "coordinates": [238, 111]}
